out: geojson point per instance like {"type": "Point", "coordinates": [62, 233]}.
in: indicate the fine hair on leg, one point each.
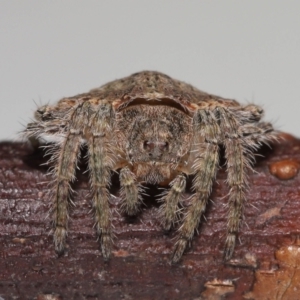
{"type": "Point", "coordinates": [239, 158]}
{"type": "Point", "coordinates": [66, 158]}
{"type": "Point", "coordinates": [130, 192]}
{"type": "Point", "coordinates": [101, 162]}
{"type": "Point", "coordinates": [207, 134]}
{"type": "Point", "coordinates": [171, 199]}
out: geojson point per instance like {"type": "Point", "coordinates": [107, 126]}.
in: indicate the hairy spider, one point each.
{"type": "Point", "coordinates": [153, 129]}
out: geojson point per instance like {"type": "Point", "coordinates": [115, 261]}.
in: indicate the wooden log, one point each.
{"type": "Point", "coordinates": [265, 264]}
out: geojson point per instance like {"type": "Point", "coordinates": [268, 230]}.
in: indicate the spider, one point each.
{"type": "Point", "coordinates": [154, 130]}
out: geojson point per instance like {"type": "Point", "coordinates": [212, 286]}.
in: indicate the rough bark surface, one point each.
{"type": "Point", "coordinates": [266, 262]}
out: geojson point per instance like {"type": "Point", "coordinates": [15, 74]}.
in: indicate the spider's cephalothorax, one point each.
{"type": "Point", "coordinates": [155, 138]}
{"type": "Point", "coordinates": [154, 129]}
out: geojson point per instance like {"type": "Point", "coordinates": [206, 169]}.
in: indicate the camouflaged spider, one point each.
{"type": "Point", "coordinates": [153, 129]}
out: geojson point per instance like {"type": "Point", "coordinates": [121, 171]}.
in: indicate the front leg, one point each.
{"type": "Point", "coordinates": [240, 138]}
{"type": "Point", "coordinates": [239, 156]}
{"type": "Point", "coordinates": [130, 192]}
{"type": "Point", "coordinates": [101, 162]}
{"type": "Point", "coordinates": [64, 173]}
{"type": "Point", "coordinates": [171, 199]}
{"type": "Point", "coordinates": [205, 168]}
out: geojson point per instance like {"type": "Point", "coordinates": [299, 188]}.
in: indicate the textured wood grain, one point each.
{"type": "Point", "coordinates": [139, 267]}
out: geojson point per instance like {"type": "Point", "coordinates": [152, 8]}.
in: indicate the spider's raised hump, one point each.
{"type": "Point", "coordinates": [155, 88]}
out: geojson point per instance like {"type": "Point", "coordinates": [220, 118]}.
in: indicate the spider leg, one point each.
{"type": "Point", "coordinates": [207, 134]}
{"type": "Point", "coordinates": [130, 192]}
{"type": "Point", "coordinates": [239, 158]}
{"type": "Point", "coordinates": [64, 171]}
{"type": "Point", "coordinates": [171, 199]}
{"type": "Point", "coordinates": [256, 134]}
{"type": "Point", "coordinates": [101, 162]}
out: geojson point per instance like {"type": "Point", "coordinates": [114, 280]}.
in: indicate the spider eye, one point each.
{"type": "Point", "coordinates": [46, 116]}
{"type": "Point", "coordinates": [145, 145]}
{"type": "Point", "coordinates": [155, 146]}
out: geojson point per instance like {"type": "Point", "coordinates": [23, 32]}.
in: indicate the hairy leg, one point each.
{"type": "Point", "coordinates": [171, 199]}
{"type": "Point", "coordinates": [207, 159]}
{"type": "Point", "coordinates": [256, 134]}
{"type": "Point", "coordinates": [130, 192]}
{"type": "Point", "coordinates": [66, 159]}
{"type": "Point", "coordinates": [101, 162]}
{"type": "Point", "coordinates": [239, 158]}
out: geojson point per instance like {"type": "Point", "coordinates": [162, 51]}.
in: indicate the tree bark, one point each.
{"type": "Point", "coordinates": [265, 264]}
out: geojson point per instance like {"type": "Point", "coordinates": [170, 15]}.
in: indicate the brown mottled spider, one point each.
{"type": "Point", "coordinates": [153, 129]}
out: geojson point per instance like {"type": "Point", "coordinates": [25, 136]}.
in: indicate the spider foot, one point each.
{"type": "Point", "coordinates": [229, 246]}
{"type": "Point", "coordinates": [106, 245]}
{"type": "Point", "coordinates": [132, 210]}
{"type": "Point", "coordinates": [178, 250]}
{"type": "Point", "coordinates": [59, 237]}
{"type": "Point", "coordinates": [167, 224]}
